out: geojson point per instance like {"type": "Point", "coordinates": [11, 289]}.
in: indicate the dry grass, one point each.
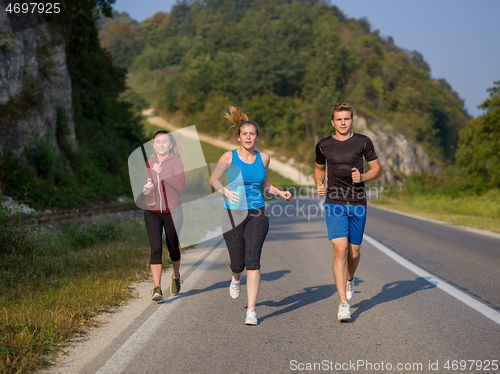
{"type": "Point", "coordinates": [53, 289]}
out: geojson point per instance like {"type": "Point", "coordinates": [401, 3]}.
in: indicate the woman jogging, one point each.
{"type": "Point", "coordinates": [164, 180]}
{"type": "Point", "coordinates": [246, 224]}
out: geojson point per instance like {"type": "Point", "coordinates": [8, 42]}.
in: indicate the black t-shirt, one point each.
{"type": "Point", "coordinates": [340, 157]}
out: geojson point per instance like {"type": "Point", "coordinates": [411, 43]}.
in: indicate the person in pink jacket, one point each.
{"type": "Point", "coordinates": [164, 177]}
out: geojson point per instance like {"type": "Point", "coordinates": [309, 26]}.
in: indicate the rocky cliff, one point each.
{"type": "Point", "coordinates": [34, 87]}
{"type": "Point", "coordinates": [398, 156]}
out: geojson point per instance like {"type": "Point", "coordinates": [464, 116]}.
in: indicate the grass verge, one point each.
{"type": "Point", "coordinates": [54, 284]}
{"type": "Point", "coordinates": [478, 212]}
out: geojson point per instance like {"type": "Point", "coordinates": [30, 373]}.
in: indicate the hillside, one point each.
{"type": "Point", "coordinates": [284, 63]}
{"type": "Point", "coordinates": [65, 135]}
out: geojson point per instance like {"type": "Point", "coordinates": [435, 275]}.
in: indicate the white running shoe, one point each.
{"type": "Point", "coordinates": [349, 290]}
{"type": "Point", "coordinates": [251, 317]}
{"type": "Point", "coordinates": [344, 313]}
{"type": "Point", "coordinates": [234, 288]}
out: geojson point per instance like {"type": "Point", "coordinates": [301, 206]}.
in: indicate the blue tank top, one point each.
{"type": "Point", "coordinates": [251, 176]}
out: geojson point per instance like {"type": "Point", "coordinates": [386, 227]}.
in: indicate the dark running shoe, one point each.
{"type": "Point", "coordinates": [176, 285]}
{"type": "Point", "coordinates": [157, 294]}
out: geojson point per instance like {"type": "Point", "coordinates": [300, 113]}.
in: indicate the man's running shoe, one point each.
{"type": "Point", "coordinates": [176, 285]}
{"type": "Point", "coordinates": [157, 294]}
{"type": "Point", "coordinates": [251, 317]}
{"type": "Point", "coordinates": [349, 289]}
{"type": "Point", "coordinates": [344, 313]}
{"type": "Point", "coordinates": [234, 288]}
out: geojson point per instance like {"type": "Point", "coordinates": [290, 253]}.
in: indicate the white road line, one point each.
{"type": "Point", "coordinates": [120, 359]}
{"type": "Point", "coordinates": [466, 299]}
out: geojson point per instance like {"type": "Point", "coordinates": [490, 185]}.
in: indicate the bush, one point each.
{"type": "Point", "coordinates": [83, 238]}
{"type": "Point", "coordinates": [15, 235]}
{"type": "Point", "coordinates": [42, 155]}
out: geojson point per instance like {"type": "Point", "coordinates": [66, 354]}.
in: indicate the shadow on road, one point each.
{"type": "Point", "coordinates": [269, 277]}
{"type": "Point", "coordinates": [265, 277]}
{"type": "Point", "coordinates": [293, 302]}
{"type": "Point", "coordinates": [390, 291]}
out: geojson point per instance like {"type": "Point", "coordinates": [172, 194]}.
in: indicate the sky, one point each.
{"type": "Point", "coordinates": [459, 39]}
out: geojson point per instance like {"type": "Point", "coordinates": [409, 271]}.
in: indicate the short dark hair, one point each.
{"type": "Point", "coordinates": [161, 132]}
{"type": "Point", "coordinates": [342, 107]}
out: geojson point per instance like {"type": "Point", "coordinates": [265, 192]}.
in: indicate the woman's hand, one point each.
{"type": "Point", "coordinates": [286, 195]}
{"type": "Point", "coordinates": [145, 191]}
{"type": "Point", "coordinates": [157, 168]}
{"type": "Point", "coordinates": [232, 196]}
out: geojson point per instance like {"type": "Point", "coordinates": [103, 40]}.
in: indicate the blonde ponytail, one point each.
{"type": "Point", "coordinates": [235, 116]}
{"type": "Point", "coordinates": [238, 118]}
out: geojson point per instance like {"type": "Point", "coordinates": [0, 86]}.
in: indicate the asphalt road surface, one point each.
{"type": "Point", "coordinates": [401, 322]}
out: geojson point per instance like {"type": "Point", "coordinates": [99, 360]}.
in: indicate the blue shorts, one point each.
{"type": "Point", "coordinates": [345, 221]}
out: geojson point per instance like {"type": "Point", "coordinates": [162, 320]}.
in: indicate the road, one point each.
{"type": "Point", "coordinates": [401, 322]}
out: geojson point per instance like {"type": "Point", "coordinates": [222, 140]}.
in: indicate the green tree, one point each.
{"type": "Point", "coordinates": [478, 153]}
{"type": "Point", "coordinates": [302, 54]}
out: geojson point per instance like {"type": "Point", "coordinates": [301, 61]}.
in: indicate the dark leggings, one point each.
{"type": "Point", "coordinates": [155, 223]}
{"type": "Point", "coordinates": [244, 242]}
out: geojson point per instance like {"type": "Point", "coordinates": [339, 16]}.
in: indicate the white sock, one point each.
{"type": "Point", "coordinates": [236, 281]}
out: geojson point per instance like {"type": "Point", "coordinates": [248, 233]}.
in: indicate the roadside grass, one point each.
{"type": "Point", "coordinates": [479, 212]}
{"type": "Point", "coordinates": [52, 286]}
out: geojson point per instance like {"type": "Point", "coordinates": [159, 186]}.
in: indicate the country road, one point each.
{"type": "Point", "coordinates": [427, 301]}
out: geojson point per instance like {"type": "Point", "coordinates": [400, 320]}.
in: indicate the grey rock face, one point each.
{"type": "Point", "coordinates": [398, 156]}
{"type": "Point", "coordinates": [34, 81]}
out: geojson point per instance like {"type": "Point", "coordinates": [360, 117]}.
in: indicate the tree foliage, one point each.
{"type": "Point", "coordinates": [286, 63]}
{"type": "Point", "coordinates": [106, 129]}
{"type": "Point", "coordinates": [478, 153]}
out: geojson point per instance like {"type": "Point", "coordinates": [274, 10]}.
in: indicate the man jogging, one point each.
{"type": "Point", "coordinates": [344, 154]}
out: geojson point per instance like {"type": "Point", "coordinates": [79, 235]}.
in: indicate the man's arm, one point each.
{"type": "Point", "coordinates": [371, 174]}
{"type": "Point", "coordinates": [319, 177]}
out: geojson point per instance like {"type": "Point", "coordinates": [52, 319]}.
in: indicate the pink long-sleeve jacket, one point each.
{"type": "Point", "coordinates": [168, 184]}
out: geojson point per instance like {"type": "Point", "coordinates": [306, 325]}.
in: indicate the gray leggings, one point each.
{"type": "Point", "coordinates": [244, 242]}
